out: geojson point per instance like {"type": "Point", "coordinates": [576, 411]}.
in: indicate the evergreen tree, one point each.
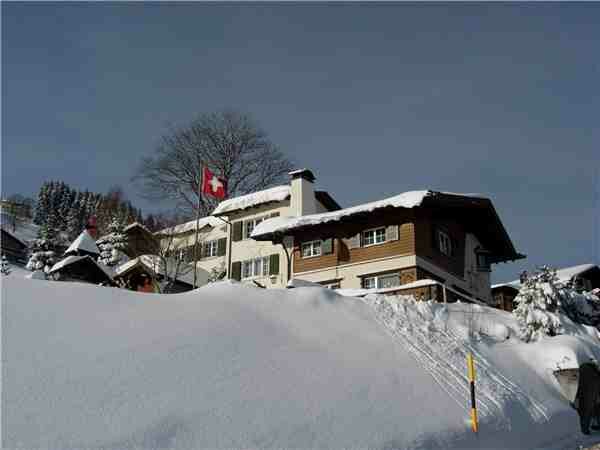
{"type": "Point", "coordinates": [4, 266]}
{"type": "Point", "coordinates": [42, 205]}
{"type": "Point", "coordinates": [538, 305]}
{"type": "Point", "coordinates": [112, 245]}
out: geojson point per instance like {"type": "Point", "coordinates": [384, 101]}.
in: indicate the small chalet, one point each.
{"type": "Point", "coordinates": [584, 277]}
{"type": "Point", "coordinates": [146, 273]}
{"type": "Point", "coordinates": [80, 263]}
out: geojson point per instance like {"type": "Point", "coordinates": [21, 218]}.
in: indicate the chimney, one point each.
{"type": "Point", "coordinates": [302, 195]}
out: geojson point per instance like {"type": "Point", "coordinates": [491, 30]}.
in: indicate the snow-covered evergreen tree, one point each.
{"type": "Point", "coordinates": [112, 245]}
{"type": "Point", "coordinates": [538, 305]}
{"type": "Point", "coordinates": [42, 205]}
{"type": "Point", "coordinates": [42, 256]}
{"type": "Point", "coordinates": [4, 266]}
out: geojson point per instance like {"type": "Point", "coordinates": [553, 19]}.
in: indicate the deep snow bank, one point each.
{"type": "Point", "coordinates": [235, 366]}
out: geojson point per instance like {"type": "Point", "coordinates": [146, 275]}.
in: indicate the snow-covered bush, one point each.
{"type": "Point", "coordinates": [4, 266]}
{"type": "Point", "coordinates": [217, 273]}
{"type": "Point", "coordinates": [543, 300]}
{"type": "Point", "coordinates": [42, 256]}
{"type": "Point", "coordinates": [112, 245]}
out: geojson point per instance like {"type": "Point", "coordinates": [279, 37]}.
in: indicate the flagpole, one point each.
{"type": "Point", "coordinates": [197, 225]}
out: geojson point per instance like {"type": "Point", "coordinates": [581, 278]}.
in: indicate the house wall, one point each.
{"type": "Point", "coordinates": [247, 248]}
{"type": "Point", "coordinates": [478, 281]}
{"type": "Point", "coordinates": [426, 226]}
{"type": "Point", "coordinates": [414, 255]}
{"type": "Point", "coordinates": [204, 264]}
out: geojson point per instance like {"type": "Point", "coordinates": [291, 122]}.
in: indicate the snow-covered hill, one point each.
{"type": "Point", "coordinates": [234, 366]}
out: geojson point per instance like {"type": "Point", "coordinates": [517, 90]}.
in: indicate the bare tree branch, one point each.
{"type": "Point", "coordinates": [230, 143]}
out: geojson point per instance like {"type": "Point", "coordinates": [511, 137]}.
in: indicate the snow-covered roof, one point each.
{"type": "Point", "coordinates": [73, 259]}
{"type": "Point", "coordinates": [281, 224]}
{"type": "Point", "coordinates": [275, 194]}
{"type": "Point", "coordinates": [567, 273]}
{"type": "Point", "coordinates": [136, 225]}
{"type": "Point", "coordinates": [564, 275]}
{"type": "Point", "coordinates": [84, 242]}
{"type": "Point", "coordinates": [191, 225]}
{"type": "Point", "coordinates": [153, 263]}
{"type": "Point", "coordinates": [65, 262]}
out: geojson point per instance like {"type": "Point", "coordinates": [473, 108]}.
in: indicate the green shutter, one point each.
{"type": "Point", "coordinates": [236, 270]}
{"type": "Point", "coordinates": [274, 215]}
{"type": "Point", "coordinates": [327, 246]}
{"type": "Point", "coordinates": [274, 264]}
{"type": "Point", "coordinates": [237, 231]}
{"type": "Point", "coordinates": [221, 244]}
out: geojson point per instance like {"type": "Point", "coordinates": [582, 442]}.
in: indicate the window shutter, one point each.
{"type": "Point", "coordinates": [221, 244]}
{"type": "Point", "coordinates": [327, 246]}
{"type": "Point", "coordinates": [354, 241]}
{"type": "Point", "coordinates": [391, 233]}
{"type": "Point", "coordinates": [237, 230]}
{"type": "Point", "coordinates": [200, 250]}
{"type": "Point", "coordinates": [274, 215]}
{"type": "Point", "coordinates": [274, 264]}
{"type": "Point", "coordinates": [236, 270]}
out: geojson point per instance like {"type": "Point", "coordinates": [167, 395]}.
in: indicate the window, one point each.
{"type": "Point", "coordinates": [250, 224]}
{"type": "Point", "coordinates": [310, 249]}
{"type": "Point", "coordinates": [210, 249]}
{"type": "Point", "coordinates": [388, 281]}
{"type": "Point", "coordinates": [445, 243]}
{"type": "Point", "coordinates": [374, 236]}
{"type": "Point", "coordinates": [483, 261]}
{"type": "Point", "coordinates": [381, 281]}
{"type": "Point", "coordinates": [256, 267]}
{"type": "Point", "coordinates": [370, 282]}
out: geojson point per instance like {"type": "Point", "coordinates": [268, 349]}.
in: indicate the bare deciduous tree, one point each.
{"type": "Point", "coordinates": [230, 143]}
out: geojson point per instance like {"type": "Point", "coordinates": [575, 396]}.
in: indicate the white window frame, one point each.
{"type": "Point", "coordinates": [313, 249]}
{"type": "Point", "coordinates": [377, 279]}
{"type": "Point", "coordinates": [444, 243]}
{"type": "Point", "coordinates": [259, 267]}
{"type": "Point", "coordinates": [374, 231]}
{"type": "Point", "coordinates": [254, 222]}
{"type": "Point", "coordinates": [213, 246]}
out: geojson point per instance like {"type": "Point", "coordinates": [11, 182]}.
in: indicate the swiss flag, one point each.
{"type": "Point", "coordinates": [213, 185]}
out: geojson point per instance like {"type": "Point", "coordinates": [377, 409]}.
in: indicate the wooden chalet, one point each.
{"type": "Point", "coordinates": [452, 239]}
{"type": "Point", "coordinates": [80, 263]}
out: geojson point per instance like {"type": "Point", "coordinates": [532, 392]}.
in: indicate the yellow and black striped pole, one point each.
{"type": "Point", "coordinates": [471, 370]}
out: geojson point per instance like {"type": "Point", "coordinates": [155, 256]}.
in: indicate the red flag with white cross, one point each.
{"type": "Point", "coordinates": [213, 185]}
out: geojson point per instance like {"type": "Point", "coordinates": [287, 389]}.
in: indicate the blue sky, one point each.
{"type": "Point", "coordinates": [500, 99]}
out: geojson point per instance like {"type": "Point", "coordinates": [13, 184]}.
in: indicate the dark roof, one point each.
{"type": "Point", "coordinates": [327, 201]}
{"type": "Point", "coordinates": [9, 235]}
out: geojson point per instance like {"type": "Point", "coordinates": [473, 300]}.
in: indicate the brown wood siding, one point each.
{"type": "Point", "coordinates": [316, 262]}
{"type": "Point", "coordinates": [405, 245]}
{"type": "Point", "coordinates": [426, 225]}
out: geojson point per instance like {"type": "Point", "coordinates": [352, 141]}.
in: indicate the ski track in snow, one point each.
{"type": "Point", "coordinates": [443, 355]}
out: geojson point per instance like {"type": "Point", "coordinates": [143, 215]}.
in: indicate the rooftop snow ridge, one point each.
{"type": "Point", "coordinates": [279, 224]}
{"type": "Point", "coordinates": [191, 225]}
{"type": "Point", "coordinates": [85, 243]}
{"type": "Point", "coordinates": [274, 194]}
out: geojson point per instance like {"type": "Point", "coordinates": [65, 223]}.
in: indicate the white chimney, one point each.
{"type": "Point", "coordinates": [302, 195]}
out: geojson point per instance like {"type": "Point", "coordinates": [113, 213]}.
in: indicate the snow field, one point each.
{"type": "Point", "coordinates": [232, 366]}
